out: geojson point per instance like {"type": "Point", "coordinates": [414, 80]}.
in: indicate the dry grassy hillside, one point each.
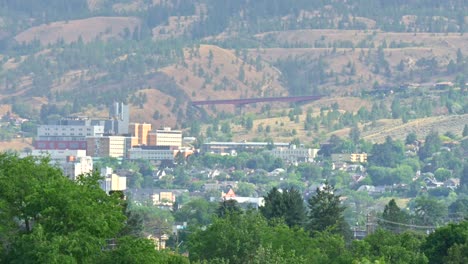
{"type": "Point", "coordinates": [89, 29]}
{"type": "Point", "coordinates": [406, 48]}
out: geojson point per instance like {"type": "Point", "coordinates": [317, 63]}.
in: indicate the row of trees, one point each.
{"type": "Point", "coordinates": [46, 218]}
{"type": "Point", "coordinates": [249, 237]}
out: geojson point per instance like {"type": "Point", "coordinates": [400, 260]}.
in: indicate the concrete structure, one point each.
{"type": "Point", "coordinates": [151, 153]}
{"type": "Point", "coordinates": [294, 154]}
{"type": "Point", "coordinates": [67, 134]}
{"type": "Point", "coordinates": [71, 133]}
{"type": "Point", "coordinates": [119, 114]}
{"type": "Point", "coordinates": [349, 157]}
{"type": "Point", "coordinates": [255, 201]}
{"type": "Point", "coordinates": [229, 147]}
{"type": "Point", "coordinates": [140, 131]}
{"type": "Point", "coordinates": [112, 181]}
{"type": "Point", "coordinates": [72, 162]}
{"type": "Point", "coordinates": [162, 197]}
{"type": "Point", "coordinates": [107, 146]}
{"type": "Point", "coordinates": [165, 137]}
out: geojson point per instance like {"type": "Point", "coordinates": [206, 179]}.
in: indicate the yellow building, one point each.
{"type": "Point", "coordinates": [165, 137]}
{"type": "Point", "coordinates": [140, 131]}
{"type": "Point", "coordinates": [358, 157]}
{"type": "Point", "coordinates": [350, 157]}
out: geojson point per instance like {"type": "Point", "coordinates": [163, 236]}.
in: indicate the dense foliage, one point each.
{"type": "Point", "coordinates": [47, 218]}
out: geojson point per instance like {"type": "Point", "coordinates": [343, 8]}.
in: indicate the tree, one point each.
{"type": "Point", "coordinates": [47, 218]}
{"type": "Point", "coordinates": [287, 205]}
{"type": "Point", "coordinates": [465, 131]}
{"type": "Point", "coordinates": [392, 215]}
{"type": "Point", "coordinates": [388, 154]}
{"type": "Point", "coordinates": [228, 207]}
{"type": "Point", "coordinates": [411, 138]}
{"type": "Point", "coordinates": [431, 145]}
{"type": "Point", "coordinates": [430, 211]}
{"type": "Point", "coordinates": [388, 247]}
{"type": "Point", "coordinates": [326, 211]}
{"type": "Point", "coordinates": [355, 134]}
{"type": "Point", "coordinates": [249, 123]}
{"type": "Point", "coordinates": [438, 244]}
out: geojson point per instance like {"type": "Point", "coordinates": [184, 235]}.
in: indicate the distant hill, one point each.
{"type": "Point", "coordinates": [86, 30]}
{"type": "Point", "coordinates": [159, 55]}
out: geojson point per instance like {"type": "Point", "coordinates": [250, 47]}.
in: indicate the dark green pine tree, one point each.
{"type": "Point", "coordinates": [295, 210]}
{"type": "Point", "coordinates": [465, 131]}
{"type": "Point", "coordinates": [274, 205]}
{"type": "Point", "coordinates": [228, 207]}
{"type": "Point", "coordinates": [287, 205]}
{"type": "Point", "coordinates": [392, 215]}
{"type": "Point", "coordinates": [326, 212]}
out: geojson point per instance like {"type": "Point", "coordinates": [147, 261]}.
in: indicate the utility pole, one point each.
{"type": "Point", "coordinates": [370, 228]}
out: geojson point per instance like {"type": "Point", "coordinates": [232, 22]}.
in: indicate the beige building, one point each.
{"type": "Point", "coordinates": [112, 181]}
{"type": "Point", "coordinates": [140, 131]}
{"type": "Point", "coordinates": [350, 157]}
{"type": "Point", "coordinates": [165, 137]}
{"type": "Point", "coordinates": [108, 146]}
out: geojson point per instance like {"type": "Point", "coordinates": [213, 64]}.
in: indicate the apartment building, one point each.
{"type": "Point", "coordinates": [165, 137]}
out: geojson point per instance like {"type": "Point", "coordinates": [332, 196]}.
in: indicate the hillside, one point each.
{"type": "Point", "coordinates": [86, 30]}
{"type": "Point", "coordinates": [160, 55]}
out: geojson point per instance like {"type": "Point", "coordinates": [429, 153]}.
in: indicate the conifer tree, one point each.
{"type": "Point", "coordinates": [326, 211]}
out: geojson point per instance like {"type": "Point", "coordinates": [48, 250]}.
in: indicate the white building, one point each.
{"type": "Point", "coordinates": [70, 129]}
{"type": "Point", "coordinates": [112, 181]}
{"type": "Point", "coordinates": [151, 154]}
{"type": "Point", "coordinates": [293, 154]}
{"type": "Point", "coordinates": [72, 162]}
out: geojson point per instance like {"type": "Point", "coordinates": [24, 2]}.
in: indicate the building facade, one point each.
{"type": "Point", "coordinates": [140, 131]}
{"type": "Point", "coordinates": [67, 134]}
{"type": "Point", "coordinates": [112, 181]}
{"type": "Point", "coordinates": [349, 157]}
{"type": "Point", "coordinates": [165, 137]}
{"type": "Point", "coordinates": [73, 163]}
{"type": "Point", "coordinates": [154, 153]}
{"type": "Point", "coordinates": [107, 146]}
{"type": "Point", "coordinates": [294, 154]}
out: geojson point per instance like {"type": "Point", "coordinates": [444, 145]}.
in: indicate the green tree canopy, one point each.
{"type": "Point", "coordinates": [287, 205]}
{"type": "Point", "coordinates": [47, 218]}
{"type": "Point", "coordinates": [326, 211]}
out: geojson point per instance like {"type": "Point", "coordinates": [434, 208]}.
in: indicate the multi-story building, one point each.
{"type": "Point", "coordinates": [349, 157]}
{"type": "Point", "coordinates": [231, 147]}
{"type": "Point", "coordinates": [67, 134]}
{"type": "Point", "coordinates": [294, 154]}
{"type": "Point", "coordinates": [165, 137]}
{"type": "Point", "coordinates": [108, 146]}
{"type": "Point", "coordinates": [72, 162]}
{"type": "Point", "coordinates": [119, 114]}
{"type": "Point", "coordinates": [151, 153]}
{"type": "Point", "coordinates": [71, 133]}
{"type": "Point", "coordinates": [112, 181]}
{"type": "Point", "coordinates": [140, 131]}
